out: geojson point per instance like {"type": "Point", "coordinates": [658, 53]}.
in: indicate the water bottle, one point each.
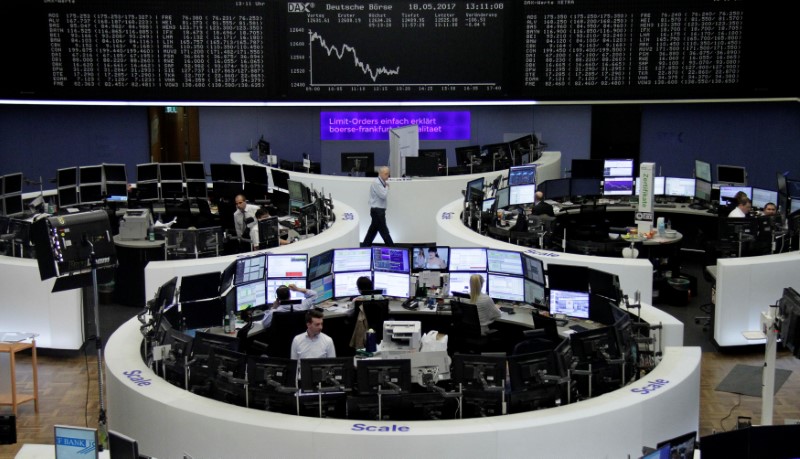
{"type": "Point", "coordinates": [232, 323]}
{"type": "Point", "coordinates": [226, 323]}
{"type": "Point", "coordinates": [151, 234]}
{"type": "Point", "coordinates": [372, 345]}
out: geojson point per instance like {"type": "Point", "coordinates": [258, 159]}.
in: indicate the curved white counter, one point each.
{"type": "Point", "coordinates": [411, 201]}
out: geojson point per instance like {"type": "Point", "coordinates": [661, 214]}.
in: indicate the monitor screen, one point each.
{"type": "Point", "coordinates": [523, 145]}
{"type": "Point", "coordinates": [585, 187]}
{"type": "Point", "coordinates": [393, 284]}
{"type": "Point", "coordinates": [280, 179]}
{"type": "Point", "coordinates": [194, 171]}
{"type": "Point", "coordinates": [221, 172]}
{"type": "Point", "coordinates": [297, 195]}
{"type": "Point", "coordinates": [115, 173]}
{"type": "Point", "coordinates": [251, 295]}
{"type": "Point", "coordinates": [521, 194]}
{"type": "Point", "coordinates": [587, 168]}
{"type": "Point", "coordinates": [67, 177]}
{"type": "Point", "coordinates": [557, 189]}
{"type": "Point", "coordinates": [73, 442]}
{"type": "Point", "coordinates": [658, 186]}
{"type": "Point", "coordinates": [534, 293]}
{"type": "Point", "coordinates": [12, 205]}
{"type": "Point", "coordinates": [12, 183]}
{"type": "Point", "coordinates": [91, 174]}
{"type": "Point", "coordinates": [390, 259]}
{"type": "Point", "coordinates": [116, 191]}
{"type": "Point", "coordinates": [702, 190]}
{"type": "Point", "coordinates": [320, 265]}
{"type": "Point", "coordinates": [761, 197]}
{"type": "Point", "coordinates": [468, 259]}
{"type": "Point", "coordinates": [147, 191]}
{"type": "Point", "coordinates": [495, 152]}
{"type": "Point", "coordinates": [287, 265]}
{"type": "Point", "coordinates": [502, 198]}
{"type": "Point", "coordinates": [250, 269]}
{"type": "Point", "coordinates": [509, 288]}
{"type": "Point", "coordinates": [568, 277]}
{"type": "Point", "coordinates": [377, 375]}
{"type": "Point", "coordinates": [170, 172]}
{"type": "Point", "coordinates": [534, 268]}
{"type": "Point", "coordinates": [430, 258]}
{"type": "Point", "coordinates": [793, 188]}
{"type": "Point", "coordinates": [618, 168]}
{"type": "Point", "coordinates": [421, 166]}
{"type": "Point", "coordinates": [344, 283]}
{"type": "Point", "coordinates": [147, 172]}
{"type": "Point", "coordinates": [199, 286]}
{"type": "Point", "coordinates": [487, 204]}
{"type": "Point", "coordinates": [682, 446]}
{"type": "Point", "coordinates": [679, 186]}
{"type": "Point", "coordinates": [459, 282]}
{"type": "Point", "coordinates": [358, 162]}
{"type": "Point", "coordinates": [728, 193]}
{"type": "Point", "coordinates": [440, 154]}
{"type": "Point", "coordinates": [702, 170]}
{"type": "Point", "coordinates": [324, 288]}
{"type": "Point", "coordinates": [476, 184]}
{"type": "Point", "coordinates": [255, 174]}
{"type": "Point", "coordinates": [465, 155]}
{"type": "Point", "coordinates": [121, 446]}
{"type": "Point", "coordinates": [197, 190]}
{"type": "Point", "coordinates": [522, 175]}
{"type": "Point", "coordinates": [353, 259]}
{"type": "Point", "coordinates": [68, 197]}
{"type": "Point", "coordinates": [91, 194]}
{"type": "Point", "coordinates": [475, 371]}
{"type": "Point", "coordinates": [618, 186]}
{"type": "Point", "coordinates": [795, 206]}
{"type": "Point", "coordinates": [274, 283]}
{"type": "Point", "coordinates": [335, 373]}
{"type": "Point", "coordinates": [570, 304]}
{"type": "Point", "coordinates": [732, 175]}
{"type": "Point", "coordinates": [171, 190]}
{"type": "Point", "coordinates": [504, 261]}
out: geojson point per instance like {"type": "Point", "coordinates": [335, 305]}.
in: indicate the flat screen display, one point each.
{"type": "Point", "coordinates": [147, 172]}
{"type": "Point", "coordinates": [91, 174]}
{"type": "Point", "coordinates": [273, 284]}
{"type": "Point", "coordinates": [324, 288]}
{"type": "Point", "coordinates": [459, 282]}
{"type": "Point", "coordinates": [12, 183]}
{"type": "Point", "coordinates": [476, 184]}
{"type": "Point", "coordinates": [68, 197]}
{"type": "Point", "coordinates": [534, 293]}
{"type": "Point", "coordinates": [702, 190]}
{"type": "Point", "coordinates": [571, 304]}
{"type": "Point", "coordinates": [761, 197]}
{"type": "Point", "coordinates": [702, 170]}
{"type": "Point", "coordinates": [618, 186]}
{"type": "Point", "coordinates": [12, 205]}
{"type": "Point", "coordinates": [359, 259]}
{"type": "Point", "coordinates": [251, 295]}
{"type": "Point", "coordinates": [585, 187]}
{"type": "Point", "coordinates": [430, 258]}
{"type": "Point", "coordinates": [320, 265]}
{"type": "Point", "coordinates": [358, 162]}
{"type": "Point", "coordinates": [679, 186]}
{"type": "Point", "coordinates": [250, 269]}
{"type": "Point", "coordinates": [147, 191]}
{"type": "Point", "coordinates": [587, 168]}
{"type": "Point", "coordinates": [502, 198]}
{"type": "Point", "coordinates": [75, 442]}
{"type": "Point", "coordinates": [465, 155]}
{"type": "Point", "coordinates": [287, 265]}
{"type": "Point", "coordinates": [727, 193]}
{"type": "Point", "coordinates": [468, 259]}
{"type": "Point", "coordinates": [509, 288]}
{"type": "Point", "coordinates": [658, 186]}
{"type": "Point", "coordinates": [115, 173]}
{"type": "Point", "coordinates": [67, 177]}
{"type": "Point", "coordinates": [194, 171]}
{"type": "Point", "coordinates": [732, 175]}
{"type": "Point", "coordinates": [522, 175]}
{"type": "Point", "coordinates": [504, 261]}
{"type": "Point", "coordinates": [557, 189]}
{"type": "Point", "coordinates": [91, 194]}
{"type": "Point", "coordinates": [534, 269]}
{"type": "Point", "coordinates": [170, 172]}
{"type": "Point", "coordinates": [521, 194]}
{"type": "Point", "coordinates": [487, 204]}
{"type": "Point", "coordinates": [618, 168]}
{"type": "Point", "coordinates": [344, 283]}
{"type": "Point", "coordinates": [390, 259]}
{"type": "Point", "coordinates": [393, 284]}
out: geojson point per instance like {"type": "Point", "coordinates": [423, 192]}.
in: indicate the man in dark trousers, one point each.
{"type": "Point", "coordinates": [377, 208]}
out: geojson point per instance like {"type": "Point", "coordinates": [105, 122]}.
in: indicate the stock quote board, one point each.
{"type": "Point", "coordinates": [396, 50]}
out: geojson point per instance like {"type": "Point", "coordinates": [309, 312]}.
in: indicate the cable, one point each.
{"type": "Point", "coordinates": [88, 382]}
{"type": "Point", "coordinates": [721, 421]}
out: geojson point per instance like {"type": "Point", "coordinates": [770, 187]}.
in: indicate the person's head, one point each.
{"type": "Point", "coordinates": [262, 213]}
{"type": "Point", "coordinates": [539, 196]}
{"type": "Point", "coordinates": [383, 173]}
{"type": "Point", "coordinates": [364, 284]}
{"type": "Point", "coordinates": [770, 209]}
{"type": "Point", "coordinates": [241, 202]}
{"type": "Point", "coordinates": [432, 253]}
{"type": "Point", "coordinates": [314, 322]}
{"type": "Point", "coordinates": [475, 286]}
{"type": "Point", "coordinates": [744, 204]}
{"type": "Point", "coordinates": [283, 293]}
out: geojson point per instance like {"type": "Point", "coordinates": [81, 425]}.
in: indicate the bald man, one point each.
{"type": "Point", "coordinates": [378, 193]}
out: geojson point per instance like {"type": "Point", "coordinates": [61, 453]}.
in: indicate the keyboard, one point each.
{"type": "Point", "coordinates": [618, 204]}
{"type": "Point", "coordinates": [507, 309]}
{"type": "Point", "coordinates": [578, 328]}
{"type": "Point", "coordinates": [665, 205]}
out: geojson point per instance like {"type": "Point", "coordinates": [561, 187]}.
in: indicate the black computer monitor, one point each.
{"type": "Point", "coordinates": [273, 374]}
{"type": "Point", "coordinates": [90, 174]}
{"type": "Point", "coordinates": [421, 166]}
{"type": "Point", "coordinates": [585, 187]}
{"type": "Point", "coordinates": [440, 154]}
{"type": "Point", "coordinates": [280, 179]}
{"type": "Point", "coordinates": [681, 446]}
{"type": "Point", "coordinates": [115, 173]}
{"type": "Point", "coordinates": [702, 170]}
{"type": "Point", "coordinates": [199, 286]}
{"type": "Point", "coordinates": [569, 303]}
{"type": "Point", "coordinates": [12, 205]}
{"type": "Point", "coordinates": [147, 191]}
{"type": "Point", "coordinates": [604, 284]}
{"type": "Point", "coordinates": [146, 172]}
{"type": "Point", "coordinates": [507, 288]}
{"type": "Point", "coordinates": [467, 155]}
{"type": "Point", "coordinates": [391, 259]}
{"type": "Point", "coordinates": [172, 191]}
{"type": "Point", "coordinates": [587, 168]}
{"type": "Point", "coordinates": [527, 371]}
{"type": "Point", "coordinates": [121, 446]}
{"type": "Point", "coordinates": [474, 184]}
{"type": "Point", "coordinates": [320, 265]}
{"type": "Point", "coordinates": [204, 341]}
{"type": "Point", "coordinates": [67, 177]}
{"type": "Point", "coordinates": [501, 198]}
{"type": "Point", "coordinates": [222, 172]}
{"type": "Point", "coordinates": [352, 259]}
{"type": "Point", "coordinates": [255, 174]}
{"type": "Point", "coordinates": [479, 372]}
{"type": "Point", "coordinates": [427, 258]}
{"type": "Point", "coordinates": [68, 197]}
{"type": "Point", "coordinates": [12, 183]}
{"type": "Point", "coordinates": [568, 277]}
{"type": "Point", "coordinates": [202, 313]}
{"type": "Point", "coordinates": [556, 189]}
{"type": "Point", "coordinates": [595, 345]}
{"type": "Point", "coordinates": [358, 162]}
{"type": "Point", "coordinates": [327, 373]}
{"type": "Point", "coordinates": [91, 194]}
{"type": "Point", "coordinates": [383, 375]}
{"type": "Point", "coordinates": [197, 190]}
{"type": "Point", "coordinates": [498, 154]}
{"type": "Point", "coordinates": [194, 170]}
{"type": "Point", "coordinates": [525, 145]}
{"type": "Point", "coordinates": [731, 175]}
{"type": "Point", "coordinates": [170, 172]}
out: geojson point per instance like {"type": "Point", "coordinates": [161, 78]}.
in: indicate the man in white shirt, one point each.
{"type": "Point", "coordinates": [313, 344]}
{"type": "Point", "coordinates": [283, 293]}
{"type": "Point", "coordinates": [243, 219]}
{"type": "Point", "coordinates": [742, 209]}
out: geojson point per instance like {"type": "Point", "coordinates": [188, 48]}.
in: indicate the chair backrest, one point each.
{"type": "Point", "coordinates": [465, 319]}
{"type": "Point", "coordinates": [285, 326]}
{"type": "Point", "coordinates": [377, 311]}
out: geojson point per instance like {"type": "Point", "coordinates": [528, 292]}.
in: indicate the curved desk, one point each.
{"type": "Point", "coordinates": [410, 200]}
{"type": "Point", "coordinates": [168, 421]}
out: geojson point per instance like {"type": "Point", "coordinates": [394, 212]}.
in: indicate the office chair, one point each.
{"type": "Point", "coordinates": [285, 326]}
{"type": "Point", "coordinates": [377, 312]}
{"type": "Point", "coordinates": [706, 308]}
{"type": "Point", "coordinates": [465, 335]}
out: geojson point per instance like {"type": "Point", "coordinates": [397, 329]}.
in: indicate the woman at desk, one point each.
{"type": "Point", "coordinates": [488, 312]}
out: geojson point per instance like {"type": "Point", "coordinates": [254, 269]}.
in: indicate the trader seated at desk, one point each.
{"type": "Point", "coordinates": [541, 207]}
{"type": "Point", "coordinates": [262, 214]}
{"type": "Point", "coordinates": [312, 344]}
{"type": "Point", "coordinates": [743, 207]}
{"type": "Point", "coordinates": [488, 312]}
{"type": "Point", "coordinates": [283, 293]}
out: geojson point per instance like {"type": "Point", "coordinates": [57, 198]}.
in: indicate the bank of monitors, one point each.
{"type": "Point", "coordinates": [702, 190]}
{"type": "Point", "coordinates": [344, 283]}
{"type": "Point", "coordinates": [569, 303]}
{"type": "Point", "coordinates": [521, 194]}
{"type": "Point", "coordinates": [679, 187]}
{"type": "Point", "coordinates": [658, 186]}
{"type": "Point", "coordinates": [505, 287]}
{"type": "Point", "coordinates": [380, 375]}
{"type": "Point", "coordinates": [466, 155]}
{"type": "Point", "coordinates": [320, 265]}
{"type": "Point", "coordinates": [761, 197]}
{"type": "Point", "coordinates": [618, 168]}
{"type": "Point", "coordinates": [731, 175]}
{"type": "Point", "coordinates": [479, 372]}
{"type": "Point", "coordinates": [468, 259]}
{"type": "Point", "coordinates": [727, 194]}
{"type": "Point", "coordinates": [251, 295]}
{"type": "Point", "coordinates": [459, 282]}
{"type": "Point", "coordinates": [323, 286]}
{"type": "Point", "coordinates": [522, 175]}
{"type": "Point", "coordinates": [391, 259]}
{"type": "Point", "coordinates": [504, 262]}
{"type": "Point", "coordinates": [473, 185]}
{"type": "Point", "coordinates": [352, 259]}
{"type": "Point", "coordinates": [702, 170]}
{"type": "Point", "coordinates": [396, 285]}
{"type": "Point", "coordinates": [358, 162]}
{"type": "Point", "coordinates": [328, 374]}
{"type": "Point", "coordinates": [618, 186]}
{"type": "Point", "coordinates": [587, 168]}
{"type": "Point", "coordinates": [426, 258]}
{"type": "Point", "coordinates": [287, 266]}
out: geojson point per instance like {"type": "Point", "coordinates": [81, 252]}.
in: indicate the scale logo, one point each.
{"type": "Point", "coordinates": [371, 428]}
{"type": "Point", "coordinates": [300, 7]}
{"type": "Point", "coordinates": [651, 386]}
{"type": "Point", "coordinates": [136, 377]}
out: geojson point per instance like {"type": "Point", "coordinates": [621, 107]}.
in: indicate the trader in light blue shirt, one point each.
{"type": "Point", "coordinates": [312, 344]}
{"type": "Point", "coordinates": [377, 208]}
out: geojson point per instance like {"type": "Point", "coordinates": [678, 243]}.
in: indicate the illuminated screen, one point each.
{"type": "Point", "coordinates": [727, 193]}
{"type": "Point", "coordinates": [487, 204]}
{"type": "Point", "coordinates": [468, 259]}
{"type": "Point", "coordinates": [251, 295]}
{"type": "Point", "coordinates": [521, 194]}
{"type": "Point", "coordinates": [534, 293]}
{"type": "Point", "coordinates": [502, 198]}
{"type": "Point", "coordinates": [761, 197]}
{"type": "Point", "coordinates": [522, 175]}
{"type": "Point", "coordinates": [658, 186]}
{"type": "Point", "coordinates": [459, 282]}
{"type": "Point", "coordinates": [273, 284]}
{"type": "Point", "coordinates": [294, 265]}
{"type": "Point", "coordinates": [571, 304]}
{"type": "Point", "coordinates": [250, 269]}
{"type": "Point", "coordinates": [352, 259]}
{"type": "Point", "coordinates": [679, 186]}
{"type": "Point", "coordinates": [795, 206]}
{"type": "Point", "coordinates": [390, 259]}
{"type": "Point", "coordinates": [344, 283]}
{"type": "Point", "coordinates": [445, 125]}
{"type": "Point", "coordinates": [618, 186]}
{"type": "Point", "coordinates": [75, 442]}
{"type": "Point", "coordinates": [430, 258]}
{"type": "Point", "coordinates": [320, 265]}
{"type": "Point", "coordinates": [504, 262]}
{"type": "Point", "coordinates": [702, 190]}
{"type": "Point", "coordinates": [394, 284]}
{"type": "Point", "coordinates": [702, 170]}
{"type": "Point", "coordinates": [534, 269]}
{"type": "Point", "coordinates": [476, 184]}
{"type": "Point", "coordinates": [324, 288]}
{"type": "Point", "coordinates": [618, 168]}
{"type": "Point", "coordinates": [509, 288]}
